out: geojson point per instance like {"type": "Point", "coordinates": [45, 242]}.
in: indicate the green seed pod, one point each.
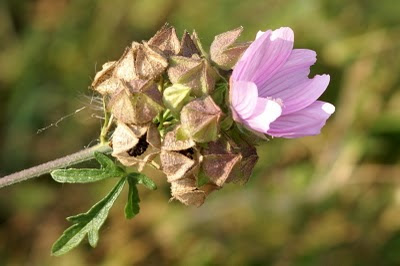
{"type": "Point", "coordinates": [194, 72]}
{"type": "Point", "coordinates": [200, 119]}
{"type": "Point", "coordinates": [175, 96]}
{"type": "Point", "coordinates": [224, 51]}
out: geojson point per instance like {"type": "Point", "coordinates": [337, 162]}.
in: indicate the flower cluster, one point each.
{"type": "Point", "coordinates": [199, 114]}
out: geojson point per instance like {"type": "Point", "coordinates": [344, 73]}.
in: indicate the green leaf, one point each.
{"type": "Point", "coordinates": [145, 181]}
{"type": "Point", "coordinates": [72, 175]}
{"type": "Point", "coordinates": [104, 161]}
{"type": "Point", "coordinates": [87, 223]}
{"type": "Point", "coordinates": [132, 206]}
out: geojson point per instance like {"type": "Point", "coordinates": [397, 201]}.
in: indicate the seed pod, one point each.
{"type": "Point", "coordinates": [224, 51]}
{"type": "Point", "coordinates": [166, 40]}
{"type": "Point", "coordinates": [242, 172]}
{"type": "Point", "coordinates": [185, 191]}
{"type": "Point", "coordinates": [136, 103]}
{"type": "Point", "coordinates": [200, 119]}
{"type": "Point", "coordinates": [125, 67]}
{"type": "Point", "coordinates": [188, 47]}
{"type": "Point", "coordinates": [135, 145]}
{"type": "Point", "coordinates": [103, 82]}
{"type": "Point", "coordinates": [218, 165]}
{"type": "Point", "coordinates": [175, 96]}
{"type": "Point", "coordinates": [179, 159]}
{"type": "Point", "coordinates": [150, 62]}
{"type": "Point", "coordinates": [194, 72]}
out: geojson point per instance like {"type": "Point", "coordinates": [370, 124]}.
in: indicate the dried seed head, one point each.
{"type": "Point", "coordinates": [179, 158]}
{"type": "Point", "coordinates": [125, 67]}
{"type": "Point", "coordinates": [171, 142]}
{"type": "Point", "coordinates": [193, 72]}
{"type": "Point", "coordinates": [103, 82]}
{"type": "Point", "coordinates": [224, 51]}
{"type": "Point", "coordinates": [135, 145]}
{"type": "Point", "coordinates": [242, 172]}
{"type": "Point", "coordinates": [135, 106]}
{"type": "Point", "coordinates": [185, 191]}
{"type": "Point", "coordinates": [166, 40]}
{"type": "Point", "coordinates": [200, 119]}
{"type": "Point", "coordinates": [188, 47]}
{"type": "Point", "coordinates": [218, 167]}
{"type": "Point", "coordinates": [150, 62]}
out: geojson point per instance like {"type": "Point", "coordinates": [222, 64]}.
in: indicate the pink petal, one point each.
{"type": "Point", "coordinates": [265, 56]}
{"type": "Point", "coordinates": [306, 122]}
{"type": "Point", "coordinates": [264, 114]}
{"type": "Point", "coordinates": [295, 70]}
{"type": "Point", "coordinates": [243, 99]}
{"type": "Point", "coordinates": [304, 94]}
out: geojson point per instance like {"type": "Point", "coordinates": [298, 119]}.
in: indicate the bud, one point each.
{"type": "Point", "coordinates": [188, 47]}
{"type": "Point", "coordinates": [200, 119]}
{"type": "Point", "coordinates": [150, 62]}
{"type": "Point", "coordinates": [175, 96]}
{"type": "Point", "coordinates": [166, 40]}
{"type": "Point", "coordinates": [179, 159]}
{"type": "Point", "coordinates": [194, 72]}
{"type": "Point", "coordinates": [224, 51]}
{"type": "Point", "coordinates": [138, 102]}
{"type": "Point", "coordinates": [135, 145]}
{"type": "Point", "coordinates": [185, 191]}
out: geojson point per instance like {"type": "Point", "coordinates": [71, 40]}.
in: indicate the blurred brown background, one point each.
{"type": "Point", "coordinates": [333, 199]}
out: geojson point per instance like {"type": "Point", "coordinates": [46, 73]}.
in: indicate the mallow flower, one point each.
{"type": "Point", "coordinates": [271, 92]}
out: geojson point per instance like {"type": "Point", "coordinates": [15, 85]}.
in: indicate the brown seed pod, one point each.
{"type": "Point", "coordinates": [166, 40]}
{"type": "Point", "coordinates": [179, 158]}
{"type": "Point", "coordinates": [136, 145]}
{"type": "Point", "coordinates": [136, 102]}
{"type": "Point", "coordinates": [125, 67]}
{"type": "Point", "coordinates": [150, 62]}
{"type": "Point", "coordinates": [188, 47]}
{"type": "Point", "coordinates": [103, 82]}
{"type": "Point", "coordinates": [185, 191]}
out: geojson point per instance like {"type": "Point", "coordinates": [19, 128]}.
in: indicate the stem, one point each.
{"type": "Point", "coordinates": [107, 124]}
{"type": "Point", "coordinates": [36, 171]}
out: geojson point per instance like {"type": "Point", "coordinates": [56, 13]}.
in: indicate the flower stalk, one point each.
{"type": "Point", "coordinates": [72, 159]}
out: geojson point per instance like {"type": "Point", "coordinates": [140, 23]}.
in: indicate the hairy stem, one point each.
{"type": "Point", "coordinates": [36, 171]}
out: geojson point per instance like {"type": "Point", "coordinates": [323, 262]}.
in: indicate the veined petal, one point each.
{"type": "Point", "coordinates": [306, 122]}
{"type": "Point", "coordinates": [265, 56]}
{"type": "Point", "coordinates": [294, 71]}
{"type": "Point", "coordinates": [243, 99]}
{"type": "Point", "coordinates": [302, 95]}
{"type": "Point", "coordinates": [265, 112]}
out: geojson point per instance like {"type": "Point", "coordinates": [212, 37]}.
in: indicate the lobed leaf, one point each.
{"type": "Point", "coordinates": [87, 223]}
{"type": "Point", "coordinates": [132, 205]}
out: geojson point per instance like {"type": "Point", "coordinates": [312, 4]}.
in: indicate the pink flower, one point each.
{"type": "Point", "coordinates": [270, 89]}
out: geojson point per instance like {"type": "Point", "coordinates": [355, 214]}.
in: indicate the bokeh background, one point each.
{"type": "Point", "coordinates": [333, 199]}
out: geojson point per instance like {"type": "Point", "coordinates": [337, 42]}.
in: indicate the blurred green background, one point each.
{"type": "Point", "coordinates": [333, 199]}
